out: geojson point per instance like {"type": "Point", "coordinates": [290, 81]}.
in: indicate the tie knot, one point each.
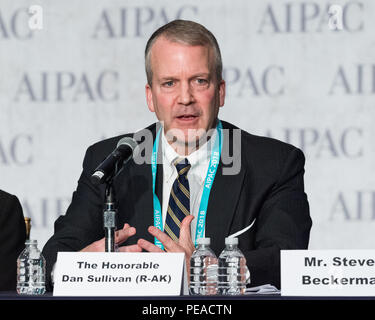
{"type": "Point", "coordinates": [183, 166]}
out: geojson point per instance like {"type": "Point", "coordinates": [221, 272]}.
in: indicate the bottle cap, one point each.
{"type": "Point", "coordinates": [28, 227]}
{"type": "Point", "coordinates": [205, 241]}
{"type": "Point", "coordinates": [231, 240]}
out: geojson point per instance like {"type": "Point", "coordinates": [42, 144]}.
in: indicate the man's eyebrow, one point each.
{"type": "Point", "coordinates": [201, 74]}
{"type": "Point", "coordinates": [197, 75]}
{"type": "Point", "coordinates": [167, 78]}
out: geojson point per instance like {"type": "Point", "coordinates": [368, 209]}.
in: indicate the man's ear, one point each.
{"type": "Point", "coordinates": [149, 100]}
{"type": "Point", "coordinates": [221, 93]}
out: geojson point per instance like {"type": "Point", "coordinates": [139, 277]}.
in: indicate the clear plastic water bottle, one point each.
{"type": "Point", "coordinates": [31, 267]}
{"type": "Point", "coordinates": [203, 269]}
{"type": "Point", "coordinates": [232, 269]}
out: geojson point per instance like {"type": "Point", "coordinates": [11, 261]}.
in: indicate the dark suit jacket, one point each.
{"type": "Point", "coordinates": [12, 239]}
{"type": "Point", "coordinates": [268, 188]}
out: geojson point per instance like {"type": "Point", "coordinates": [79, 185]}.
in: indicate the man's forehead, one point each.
{"type": "Point", "coordinates": [173, 44]}
{"type": "Point", "coordinates": [165, 50]}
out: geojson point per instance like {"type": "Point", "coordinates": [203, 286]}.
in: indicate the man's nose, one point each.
{"type": "Point", "coordinates": [186, 96]}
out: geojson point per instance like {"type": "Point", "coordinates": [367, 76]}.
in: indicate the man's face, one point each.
{"type": "Point", "coordinates": [185, 94]}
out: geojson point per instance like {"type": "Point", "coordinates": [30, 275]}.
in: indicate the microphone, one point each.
{"type": "Point", "coordinates": [123, 153]}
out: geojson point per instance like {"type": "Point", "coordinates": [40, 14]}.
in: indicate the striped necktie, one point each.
{"type": "Point", "coordinates": [179, 201]}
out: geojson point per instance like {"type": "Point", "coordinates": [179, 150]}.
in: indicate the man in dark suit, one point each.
{"type": "Point", "coordinates": [262, 201]}
{"type": "Point", "coordinates": [12, 239]}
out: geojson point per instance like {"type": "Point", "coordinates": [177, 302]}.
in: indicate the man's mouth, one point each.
{"type": "Point", "coordinates": [187, 117]}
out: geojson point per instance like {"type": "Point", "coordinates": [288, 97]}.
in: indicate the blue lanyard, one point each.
{"type": "Point", "coordinates": [211, 172]}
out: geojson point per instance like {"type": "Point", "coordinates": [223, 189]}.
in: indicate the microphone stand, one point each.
{"type": "Point", "coordinates": [110, 211]}
{"type": "Point", "coordinates": [109, 217]}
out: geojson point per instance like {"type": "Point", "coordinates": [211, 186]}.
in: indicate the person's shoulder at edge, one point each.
{"type": "Point", "coordinates": [7, 198]}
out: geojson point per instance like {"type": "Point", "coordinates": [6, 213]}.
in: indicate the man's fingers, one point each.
{"type": "Point", "coordinates": [185, 233]}
{"type": "Point", "coordinates": [123, 234]}
{"type": "Point", "coordinates": [120, 236]}
{"type": "Point", "coordinates": [185, 239]}
{"type": "Point", "coordinates": [167, 242]}
{"type": "Point", "coordinates": [148, 246]}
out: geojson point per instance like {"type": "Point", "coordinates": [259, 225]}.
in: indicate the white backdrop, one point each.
{"type": "Point", "coordinates": [72, 73]}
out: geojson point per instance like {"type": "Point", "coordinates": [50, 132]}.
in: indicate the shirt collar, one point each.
{"type": "Point", "coordinates": [198, 159]}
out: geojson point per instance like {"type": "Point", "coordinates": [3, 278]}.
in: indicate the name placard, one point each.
{"type": "Point", "coordinates": [119, 274]}
{"type": "Point", "coordinates": [328, 272]}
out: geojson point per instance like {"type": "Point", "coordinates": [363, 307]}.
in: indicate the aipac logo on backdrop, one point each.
{"type": "Point", "coordinates": [311, 17]}
{"type": "Point", "coordinates": [353, 79]}
{"type": "Point", "coordinates": [16, 150]}
{"type": "Point", "coordinates": [353, 205]}
{"type": "Point", "coordinates": [68, 86]}
{"type": "Point", "coordinates": [241, 81]}
{"type": "Point", "coordinates": [138, 22]}
{"type": "Point", "coordinates": [21, 23]}
{"type": "Point", "coordinates": [345, 143]}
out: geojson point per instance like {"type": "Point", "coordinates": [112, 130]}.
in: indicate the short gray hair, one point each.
{"type": "Point", "coordinates": [185, 32]}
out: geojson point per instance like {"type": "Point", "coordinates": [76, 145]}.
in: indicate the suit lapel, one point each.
{"type": "Point", "coordinates": [142, 192]}
{"type": "Point", "coordinates": [222, 205]}
{"type": "Point", "coordinates": [223, 201]}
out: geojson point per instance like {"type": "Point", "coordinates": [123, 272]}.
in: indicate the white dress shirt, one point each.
{"type": "Point", "coordinates": [199, 161]}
